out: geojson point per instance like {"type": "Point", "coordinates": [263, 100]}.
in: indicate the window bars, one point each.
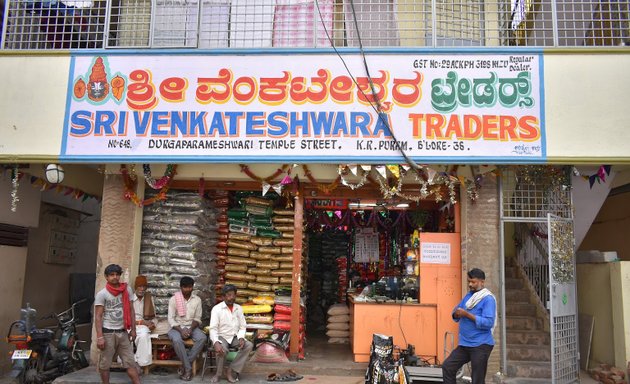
{"type": "Point", "coordinates": [208, 24]}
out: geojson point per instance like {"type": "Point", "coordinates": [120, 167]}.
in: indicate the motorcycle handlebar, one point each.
{"type": "Point", "coordinates": [61, 316]}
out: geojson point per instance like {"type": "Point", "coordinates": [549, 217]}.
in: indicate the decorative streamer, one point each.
{"type": "Point", "coordinates": [130, 188]}
{"type": "Point", "coordinates": [325, 188]}
{"type": "Point", "coordinates": [15, 184]}
{"type": "Point", "coordinates": [164, 180]}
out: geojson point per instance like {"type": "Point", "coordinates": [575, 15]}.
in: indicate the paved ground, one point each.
{"type": "Point", "coordinates": [89, 375]}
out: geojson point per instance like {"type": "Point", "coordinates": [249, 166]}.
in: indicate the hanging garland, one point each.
{"type": "Point", "coordinates": [164, 180]}
{"type": "Point", "coordinates": [343, 170]}
{"type": "Point", "coordinates": [245, 169]}
{"type": "Point", "coordinates": [325, 188]}
{"type": "Point", "coordinates": [387, 191]}
{"type": "Point", "coordinates": [15, 184]}
{"type": "Point", "coordinates": [130, 187]}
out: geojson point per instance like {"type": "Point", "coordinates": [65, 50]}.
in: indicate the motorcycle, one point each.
{"type": "Point", "coordinates": [42, 354]}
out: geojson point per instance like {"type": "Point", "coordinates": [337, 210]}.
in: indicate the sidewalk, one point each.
{"type": "Point", "coordinates": [89, 375]}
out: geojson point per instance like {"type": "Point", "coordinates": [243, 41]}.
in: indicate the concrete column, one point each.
{"type": "Point", "coordinates": [481, 248]}
{"type": "Point", "coordinates": [119, 237]}
{"type": "Point", "coordinates": [620, 290]}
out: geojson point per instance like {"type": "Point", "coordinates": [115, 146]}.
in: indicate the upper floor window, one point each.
{"type": "Point", "coordinates": [209, 24]}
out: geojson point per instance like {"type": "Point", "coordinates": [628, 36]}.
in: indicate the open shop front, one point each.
{"type": "Point", "coordinates": [328, 269]}
{"type": "Point", "coordinates": [395, 266]}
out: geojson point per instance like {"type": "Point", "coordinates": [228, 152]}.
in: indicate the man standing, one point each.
{"type": "Point", "coordinates": [145, 313]}
{"type": "Point", "coordinates": [113, 318]}
{"type": "Point", "coordinates": [476, 314]}
{"type": "Point", "coordinates": [227, 330]}
{"type": "Point", "coordinates": [184, 317]}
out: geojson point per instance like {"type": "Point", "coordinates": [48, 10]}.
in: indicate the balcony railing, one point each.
{"type": "Point", "coordinates": [211, 24]}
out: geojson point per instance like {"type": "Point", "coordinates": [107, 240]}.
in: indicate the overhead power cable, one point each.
{"type": "Point", "coordinates": [378, 107]}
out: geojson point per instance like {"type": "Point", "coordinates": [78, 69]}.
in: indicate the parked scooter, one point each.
{"type": "Point", "coordinates": [41, 355]}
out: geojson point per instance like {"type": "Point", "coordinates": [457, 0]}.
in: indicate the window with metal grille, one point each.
{"type": "Point", "coordinates": [211, 24]}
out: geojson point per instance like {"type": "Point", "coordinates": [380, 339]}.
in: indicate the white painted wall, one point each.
{"type": "Point", "coordinates": [587, 201]}
{"type": "Point", "coordinates": [585, 106]}
{"type": "Point", "coordinates": [11, 283]}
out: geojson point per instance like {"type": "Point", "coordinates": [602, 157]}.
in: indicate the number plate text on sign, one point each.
{"type": "Point", "coordinates": [20, 354]}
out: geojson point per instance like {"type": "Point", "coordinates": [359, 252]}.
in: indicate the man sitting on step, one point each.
{"type": "Point", "coordinates": [227, 331]}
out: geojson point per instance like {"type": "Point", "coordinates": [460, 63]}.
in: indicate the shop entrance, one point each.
{"type": "Point", "coordinates": [364, 257]}
{"type": "Point", "coordinates": [366, 266]}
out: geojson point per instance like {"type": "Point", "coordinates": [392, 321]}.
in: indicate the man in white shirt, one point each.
{"type": "Point", "coordinates": [145, 321]}
{"type": "Point", "coordinates": [227, 330]}
{"type": "Point", "coordinates": [184, 317]}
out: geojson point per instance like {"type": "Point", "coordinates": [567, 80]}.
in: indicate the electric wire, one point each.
{"type": "Point", "coordinates": [378, 107]}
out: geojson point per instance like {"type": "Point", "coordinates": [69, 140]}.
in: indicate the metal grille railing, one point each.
{"type": "Point", "coordinates": [533, 257]}
{"type": "Point", "coordinates": [55, 24]}
{"type": "Point", "coordinates": [531, 192]}
{"type": "Point", "coordinates": [565, 349]}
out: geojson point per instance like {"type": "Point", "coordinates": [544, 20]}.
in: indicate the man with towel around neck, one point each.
{"type": "Point", "coordinates": [476, 315]}
{"type": "Point", "coordinates": [184, 317]}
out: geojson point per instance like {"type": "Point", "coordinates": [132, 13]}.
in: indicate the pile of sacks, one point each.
{"type": "Point", "coordinates": [258, 248]}
{"type": "Point", "coordinates": [338, 327]}
{"type": "Point", "coordinates": [179, 238]}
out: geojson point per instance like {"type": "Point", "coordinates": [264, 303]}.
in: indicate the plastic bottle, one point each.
{"type": "Point", "coordinates": [28, 316]}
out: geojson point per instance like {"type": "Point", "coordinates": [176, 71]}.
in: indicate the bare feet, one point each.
{"type": "Point", "coordinates": [215, 379]}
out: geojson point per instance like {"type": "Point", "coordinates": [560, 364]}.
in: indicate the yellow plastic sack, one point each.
{"type": "Point", "coordinates": [264, 300]}
{"type": "Point", "coordinates": [256, 308]}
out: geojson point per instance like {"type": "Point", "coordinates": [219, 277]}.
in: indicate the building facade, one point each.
{"type": "Point", "coordinates": [442, 88]}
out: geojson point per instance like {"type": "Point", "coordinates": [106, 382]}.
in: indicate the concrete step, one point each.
{"type": "Point", "coordinates": [522, 323]}
{"type": "Point", "coordinates": [529, 352]}
{"type": "Point", "coordinates": [520, 309]}
{"type": "Point", "coordinates": [528, 337]}
{"type": "Point", "coordinates": [514, 283]}
{"type": "Point", "coordinates": [516, 296]}
{"type": "Point", "coordinates": [511, 272]}
{"type": "Point", "coordinates": [529, 369]}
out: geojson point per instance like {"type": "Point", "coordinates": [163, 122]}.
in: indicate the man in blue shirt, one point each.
{"type": "Point", "coordinates": [476, 315]}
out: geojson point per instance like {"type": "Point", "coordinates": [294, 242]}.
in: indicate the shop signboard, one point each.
{"type": "Point", "coordinates": [434, 107]}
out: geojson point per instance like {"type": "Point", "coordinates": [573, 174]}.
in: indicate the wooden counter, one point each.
{"type": "Point", "coordinates": [415, 323]}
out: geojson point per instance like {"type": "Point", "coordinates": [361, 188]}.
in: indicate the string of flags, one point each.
{"type": "Point", "coordinates": [599, 176]}
{"type": "Point", "coordinates": [43, 185]}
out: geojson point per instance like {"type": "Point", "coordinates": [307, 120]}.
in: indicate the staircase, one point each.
{"type": "Point", "coordinates": [528, 343]}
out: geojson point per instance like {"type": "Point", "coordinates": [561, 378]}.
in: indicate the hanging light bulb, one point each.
{"type": "Point", "coordinates": [54, 173]}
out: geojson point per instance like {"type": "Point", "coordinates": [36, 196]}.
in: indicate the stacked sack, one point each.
{"type": "Point", "coordinates": [282, 317]}
{"type": "Point", "coordinates": [338, 328]}
{"type": "Point", "coordinates": [220, 201]}
{"type": "Point", "coordinates": [259, 315]}
{"type": "Point", "coordinates": [259, 248]}
{"type": "Point", "coordinates": [342, 273]}
{"type": "Point", "coordinates": [334, 247]}
{"type": "Point", "coordinates": [179, 238]}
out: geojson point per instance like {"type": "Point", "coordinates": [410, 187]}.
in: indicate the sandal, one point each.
{"type": "Point", "coordinates": [292, 374]}
{"type": "Point", "coordinates": [284, 377]}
